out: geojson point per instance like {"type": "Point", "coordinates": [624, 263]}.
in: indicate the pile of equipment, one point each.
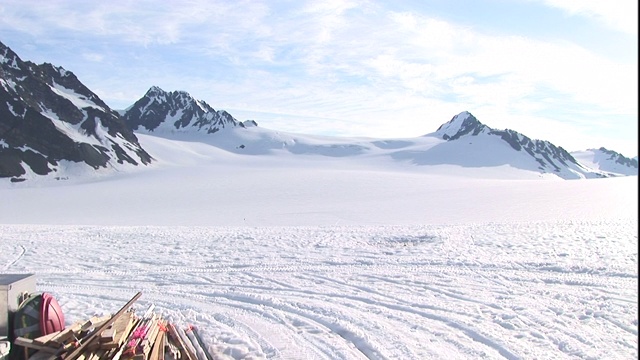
{"type": "Point", "coordinates": [35, 329]}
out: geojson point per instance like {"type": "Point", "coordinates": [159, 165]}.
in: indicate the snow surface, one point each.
{"type": "Point", "coordinates": [301, 256]}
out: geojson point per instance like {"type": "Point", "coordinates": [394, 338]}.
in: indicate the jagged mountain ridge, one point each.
{"type": "Point", "coordinates": [177, 111]}
{"type": "Point", "coordinates": [47, 116]}
{"type": "Point", "coordinates": [607, 160]}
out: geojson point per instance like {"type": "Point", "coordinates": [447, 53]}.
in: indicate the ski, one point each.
{"type": "Point", "coordinates": [183, 342]}
{"type": "Point", "coordinates": [196, 335]}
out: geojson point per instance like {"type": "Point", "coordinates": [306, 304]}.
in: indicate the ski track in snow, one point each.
{"type": "Point", "coordinates": [498, 291]}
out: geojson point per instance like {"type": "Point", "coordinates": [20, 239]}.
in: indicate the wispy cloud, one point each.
{"type": "Point", "coordinates": [621, 15]}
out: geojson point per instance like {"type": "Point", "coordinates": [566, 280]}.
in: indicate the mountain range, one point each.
{"type": "Point", "coordinates": [51, 125]}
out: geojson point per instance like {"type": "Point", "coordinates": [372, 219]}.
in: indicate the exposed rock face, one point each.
{"type": "Point", "coordinates": [47, 115]}
{"type": "Point", "coordinates": [177, 111]}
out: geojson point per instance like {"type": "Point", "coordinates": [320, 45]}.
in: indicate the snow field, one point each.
{"type": "Point", "coordinates": [519, 290]}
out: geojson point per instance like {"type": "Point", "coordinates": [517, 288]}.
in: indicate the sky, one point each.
{"type": "Point", "coordinates": [556, 70]}
{"type": "Point", "coordinates": [303, 257]}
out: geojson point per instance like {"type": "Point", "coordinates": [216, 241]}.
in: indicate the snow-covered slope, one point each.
{"type": "Point", "coordinates": [194, 183]}
{"type": "Point", "coordinates": [51, 124]}
{"type": "Point", "coordinates": [483, 146]}
{"type": "Point", "coordinates": [607, 160]}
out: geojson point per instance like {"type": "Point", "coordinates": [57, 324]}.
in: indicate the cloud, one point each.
{"type": "Point", "coordinates": [621, 15]}
{"type": "Point", "coordinates": [93, 57]}
{"type": "Point", "coordinates": [143, 22]}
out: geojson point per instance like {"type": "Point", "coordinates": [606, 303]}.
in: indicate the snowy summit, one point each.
{"type": "Point", "coordinates": [461, 124]}
{"type": "Point", "coordinates": [159, 111]}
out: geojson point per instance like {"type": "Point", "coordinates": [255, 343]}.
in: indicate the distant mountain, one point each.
{"type": "Point", "coordinates": [48, 117]}
{"type": "Point", "coordinates": [607, 160]}
{"type": "Point", "coordinates": [161, 112]}
{"type": "Point", "coordinates": [469, 143]}
{"type": "Point", "coordinates": [462, 143]}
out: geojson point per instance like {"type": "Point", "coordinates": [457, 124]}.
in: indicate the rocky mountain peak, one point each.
{"type": "Point", "coordinates": [176, 111]}
{"type": "Point", "coordinates": [8, 58]}
{"type": "Point", "coordinates": [155, 90]}
{"type": "Point", "coordinates": [460, 125]}
{"type": "Point", "coordinates": [550, 158]}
